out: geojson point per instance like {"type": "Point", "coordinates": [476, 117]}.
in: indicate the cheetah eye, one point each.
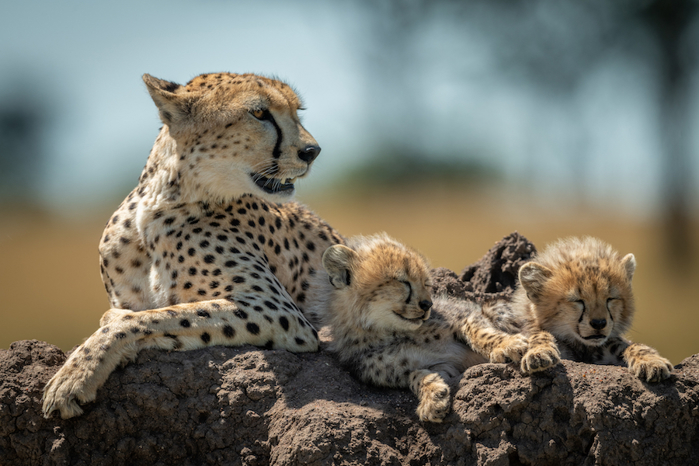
{"type": "Point", "coordinates": [259, 114]}
{"type": "Point", "coordinates": [410, 290]}
{"type": "Point", "coordinates": [581, 303]}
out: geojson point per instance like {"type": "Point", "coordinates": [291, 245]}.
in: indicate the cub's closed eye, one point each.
{"type": "Point", "coordinates": [410, 289]}
{"type": "Point", "coordinates": [582, 303]}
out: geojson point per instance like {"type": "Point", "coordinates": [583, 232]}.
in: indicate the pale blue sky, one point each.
{"type": "Point", "coordinates": [88, 57]}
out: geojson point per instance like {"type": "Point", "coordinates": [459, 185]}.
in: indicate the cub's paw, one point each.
{"type": "Point", "coordinates": [651, 368]}
{"type": "Point", "coordinates": [540, 357]}
{"type": "Point", "coordinates": [511, 348]}
{"type": "Point", "coordinates": [434, 399]}
{"type": "Point", "coordinates": [64, 390]}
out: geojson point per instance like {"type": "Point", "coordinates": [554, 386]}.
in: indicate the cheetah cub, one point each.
{"type": "Point", "coordinates": [579, 290]}
{"type": "Point", "coordinates": [375, 297]}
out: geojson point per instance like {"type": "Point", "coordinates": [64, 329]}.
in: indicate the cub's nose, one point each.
{"type": "Point", "coordinates": [598, 324]}
{"type": "Point", "coordinates": [309, 153]}
{"type": "Point", "coordinates": [425, 305]}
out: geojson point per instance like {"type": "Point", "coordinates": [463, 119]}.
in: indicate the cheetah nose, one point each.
{"type": "Point", "coordinates": [425, 305]}
{"type": "Point", "coordinates": [598, 324]}
{"type": "Point", "coordinates": [309, 153]}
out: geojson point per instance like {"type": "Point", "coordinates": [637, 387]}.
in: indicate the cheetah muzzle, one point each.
{"type": "Point", "coordinates": [274, 185]}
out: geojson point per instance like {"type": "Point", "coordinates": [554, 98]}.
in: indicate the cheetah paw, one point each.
{"type": "Point", "coordinates": [63, 392]}
{"type": "Point", "coordinates": [512, 348]}
{"type": "Point", "coordinates": [651, 369]}
{"type": "Point", "coordinates": [76, 381]}
{"type": "Point", "coordinates": [539, 358]}
{"type": "Point", "coordinates": [434, 399]}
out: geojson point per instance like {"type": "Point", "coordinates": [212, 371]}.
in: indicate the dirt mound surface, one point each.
{"type": "Point", "coordinates": [255, 407]}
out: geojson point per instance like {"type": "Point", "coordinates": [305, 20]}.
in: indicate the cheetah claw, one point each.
{"type": "Point", "coordinates": [512, 348]}
{"type": "Point", "coordinates": [651, 369]}
{"type": "Point", "coordinates": [60, 395]}
{"type": "Point", "coordinates": [434, 400]}
{"type": "Point", "coordinates": [539, 358]}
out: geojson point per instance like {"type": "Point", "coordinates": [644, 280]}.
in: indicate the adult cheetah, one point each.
{"type": "Point", "coordinates": [206, 250]}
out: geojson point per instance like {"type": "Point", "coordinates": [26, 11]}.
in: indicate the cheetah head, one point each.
{"type": "Point", "coordinates": [233, 135]}
{"type": "Point", "coordinates": [581, 290]}
{"type": "Point", "coordinates": [379, 284]}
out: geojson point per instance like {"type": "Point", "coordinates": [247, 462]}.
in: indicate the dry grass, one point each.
{"type": "Point", "coordinates": [51, 289]}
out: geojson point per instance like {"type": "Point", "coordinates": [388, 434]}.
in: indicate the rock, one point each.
{"type": "Point", "coordinates": [255, 407]}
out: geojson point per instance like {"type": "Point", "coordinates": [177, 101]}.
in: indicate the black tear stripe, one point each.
{"type": "Point", "coordinates": [276, 152]}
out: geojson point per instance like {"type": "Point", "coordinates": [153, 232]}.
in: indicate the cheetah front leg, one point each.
{"type": "Point", "coordinates": [541, 354]}
{"type": "Point", "coordinates": [492, 343]}
{"type": "Point", "coordinates": [433, 395]}
{"type": "Point", "coordinates": [180, 327]}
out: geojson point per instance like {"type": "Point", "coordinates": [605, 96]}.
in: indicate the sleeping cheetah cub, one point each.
{"type": "Point", "coordinates": [375, 296]}
{"type": "Point", "coordinates": [579, 290]}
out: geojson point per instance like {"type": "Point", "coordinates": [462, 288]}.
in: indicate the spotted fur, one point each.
{"type": "Point", "coordinates": [375, 297]}
{"type": "Point", "coordinates": [579, 291]}
{"type": "Point", "coordinates": [201, 252]}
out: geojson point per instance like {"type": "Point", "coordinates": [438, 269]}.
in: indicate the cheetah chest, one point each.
{"type": "Point", "coordinates": [237, 251]}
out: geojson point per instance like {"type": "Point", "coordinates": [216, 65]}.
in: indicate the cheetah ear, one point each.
{"type": "Point", "coordinates": [337, 261]}
{"type": "Point", "coordinates": [629, 263]}
{"type": "Point", "coordinates": [173, 107]}
{"type": "Point", "coordinates": [533, 278]}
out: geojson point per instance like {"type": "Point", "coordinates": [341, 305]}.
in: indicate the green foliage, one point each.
{"type": "Point", "coordinates": [391, 170]}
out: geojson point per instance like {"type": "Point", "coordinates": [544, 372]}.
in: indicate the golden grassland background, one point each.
{"type": "Point", "coordinates": [51, 289]}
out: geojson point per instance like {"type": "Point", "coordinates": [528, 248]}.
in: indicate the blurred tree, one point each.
{"type": "Point", "coordinates": [669, 21]}
{"type": "Point", "coordinates": [393, 26]}
{"type": "Point", "coordinates": [23, 121]}
{"type": "Point", "coordinates": [555, 44]}
{"type": "Point", "coordinates": [412, 170]}
{"type": "Point", "coordinates": [551, 46]}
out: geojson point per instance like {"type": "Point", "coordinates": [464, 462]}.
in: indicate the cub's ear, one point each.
{"type": "Point", "coordinates": [629, 263]}
{"type": "Point", "coordinates": [533, 278]}
{"type": "Point", "coordinates": [173, 107]}
{"type": "Point", "coordinates": [338, 261]}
